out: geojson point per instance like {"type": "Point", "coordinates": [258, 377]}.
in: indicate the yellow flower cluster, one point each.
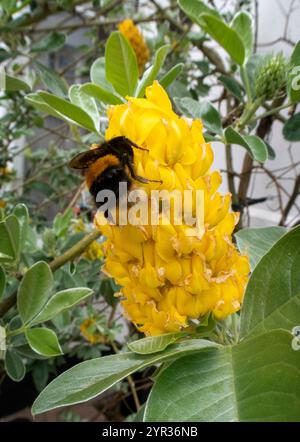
{"type": "Point", "coordinates": [94, 250]}
{"type": "Point", "coordinates": [136, 39]}
{"type": "Point", "coordinates": [169, 278]}
{"type": "Point", "coordinates": [89, 331]}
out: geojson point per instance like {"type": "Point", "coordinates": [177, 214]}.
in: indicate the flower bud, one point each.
{"type": "Point", "coordinates": [271, 77]}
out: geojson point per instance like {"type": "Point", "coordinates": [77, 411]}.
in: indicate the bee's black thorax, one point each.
{"type": "Point", "coordinates": [109, 180]}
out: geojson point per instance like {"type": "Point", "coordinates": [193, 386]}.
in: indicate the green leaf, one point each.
{"type": "Point", "coordinates": [272, 298]}
{"type": "Point", "coordinates": [226, 37]}
{"type": "Point", "coordinates": [85, 102]}
{"type": "Point", "coordinates": [121, 64]}
{"type": "Point", "coordinates": [60, 302]}
{"type": "Point", "coordinates": [21, 212]}
{"type": "Point", "coordinates": [256, 380]}
{"type": "Point", "coordinates": [3, 346]}
{"type": "Point", "coordinates": [14, 84]}
{"type": "Point", "coordinates": [34, 290]}
{"type": "Point", "coordinates": [98, 75]}
{"type": "Point", "coordinates": [8, 5]}
{"type": "Point", "coordinates": [232, 86]}
{"type": "Point", "coordinates": [90, 378]}
{"type": "Point", "coordinates": [100, 94]}
{"type": "Point", "coordinates": [2, 281]}
{"type": "Point", "coordinates": [252, 66]}
{"type": "Point", "coordinates": [294, 76]}
{"type": "Point", "coordinates": [233, 137]}
{"type": "Point", "coordinates": [40, 375]}
{"type": "Point", "coordinates": [243, 24]}
{"type": "Point", "coordinates": [171, 75]}
{"type": "Point", "coordinates": [26, 351]}
{"type": "Point", "coordinates": [271, 151]}
{"type": "Point", "coordinates": [154, 344]}
{"type": "Point", "coordinates": [69, 110]}
{"type": "Point", "coordinates": [291, 129]}
{"type": "Point", "coordinates": [50, 43]}
{"type": "Point", "coordinates": [195, 8]}
{"type": "Point", "coordinates": [257, 148]}
{"type": "Point", "coordinates": [203, 110]}
{"type": "Point", "coordinates": [151, 73]}
{"type": "Point", "coordinates": [14, 230]}
{"type": "Point", "coordinates": [257, 242]}
{"type": "Point", "coordinates": [36, 101]}
{"type": "Point", "coordinates": [52, 81]}
{"type": "Point", "coordinates": [10, 238]}
{"type": "Point", "coordinates": [255, 145]}
{"type": "Point", "coordinates": [14, 366]}
{"type": "Point", "coordinates": [61, 222]}
{"type": "Point", "coordinates": [6, 246]}
{"type": "Point", "coordinates": [5, 258]}
{"type": "Point", "coordinates": [43, 341]}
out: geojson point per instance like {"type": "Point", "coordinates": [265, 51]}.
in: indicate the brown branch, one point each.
{"type": "Point", "coordinates": [277, 185]}
{"type": "Point", "coordinates": [278, 40]}
{"type": "Point", "coordinates": [76, 196]}
{"type": "Point", "coordinates": [263, 131]}
{"type": "Point", "coordinates": [292, 200]}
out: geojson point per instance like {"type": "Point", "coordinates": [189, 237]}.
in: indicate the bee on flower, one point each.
{"type": "Point", "coordinates": [169, 278]}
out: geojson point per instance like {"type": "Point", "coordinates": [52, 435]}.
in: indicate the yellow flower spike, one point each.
{"type": "Point", "coordinates": [136, 39]}
{"type": "Point", "coordinates": [167, 276]}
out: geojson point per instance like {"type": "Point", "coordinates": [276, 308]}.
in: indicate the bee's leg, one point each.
{"type": "Point", "coordinates": [140, 178]}
{"type": "Point", "coordinates": [131, 143]}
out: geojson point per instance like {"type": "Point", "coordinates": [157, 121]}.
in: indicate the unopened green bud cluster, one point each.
{"type": "Point", "coordinates": [271, 77]}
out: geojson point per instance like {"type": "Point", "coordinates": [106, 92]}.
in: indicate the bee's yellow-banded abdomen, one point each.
{"type": "Point", "coordinates": [98, 167]}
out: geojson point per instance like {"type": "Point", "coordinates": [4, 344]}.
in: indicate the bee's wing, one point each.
{"type": "Point", "coordinates": [84, 159]}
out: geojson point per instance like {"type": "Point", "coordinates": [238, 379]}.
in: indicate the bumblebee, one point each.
{"type": "Point", "coordinates": [109, 164]}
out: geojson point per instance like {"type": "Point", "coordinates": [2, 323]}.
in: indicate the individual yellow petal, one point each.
{"type": "Point", "coordinates": [157, 95]}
